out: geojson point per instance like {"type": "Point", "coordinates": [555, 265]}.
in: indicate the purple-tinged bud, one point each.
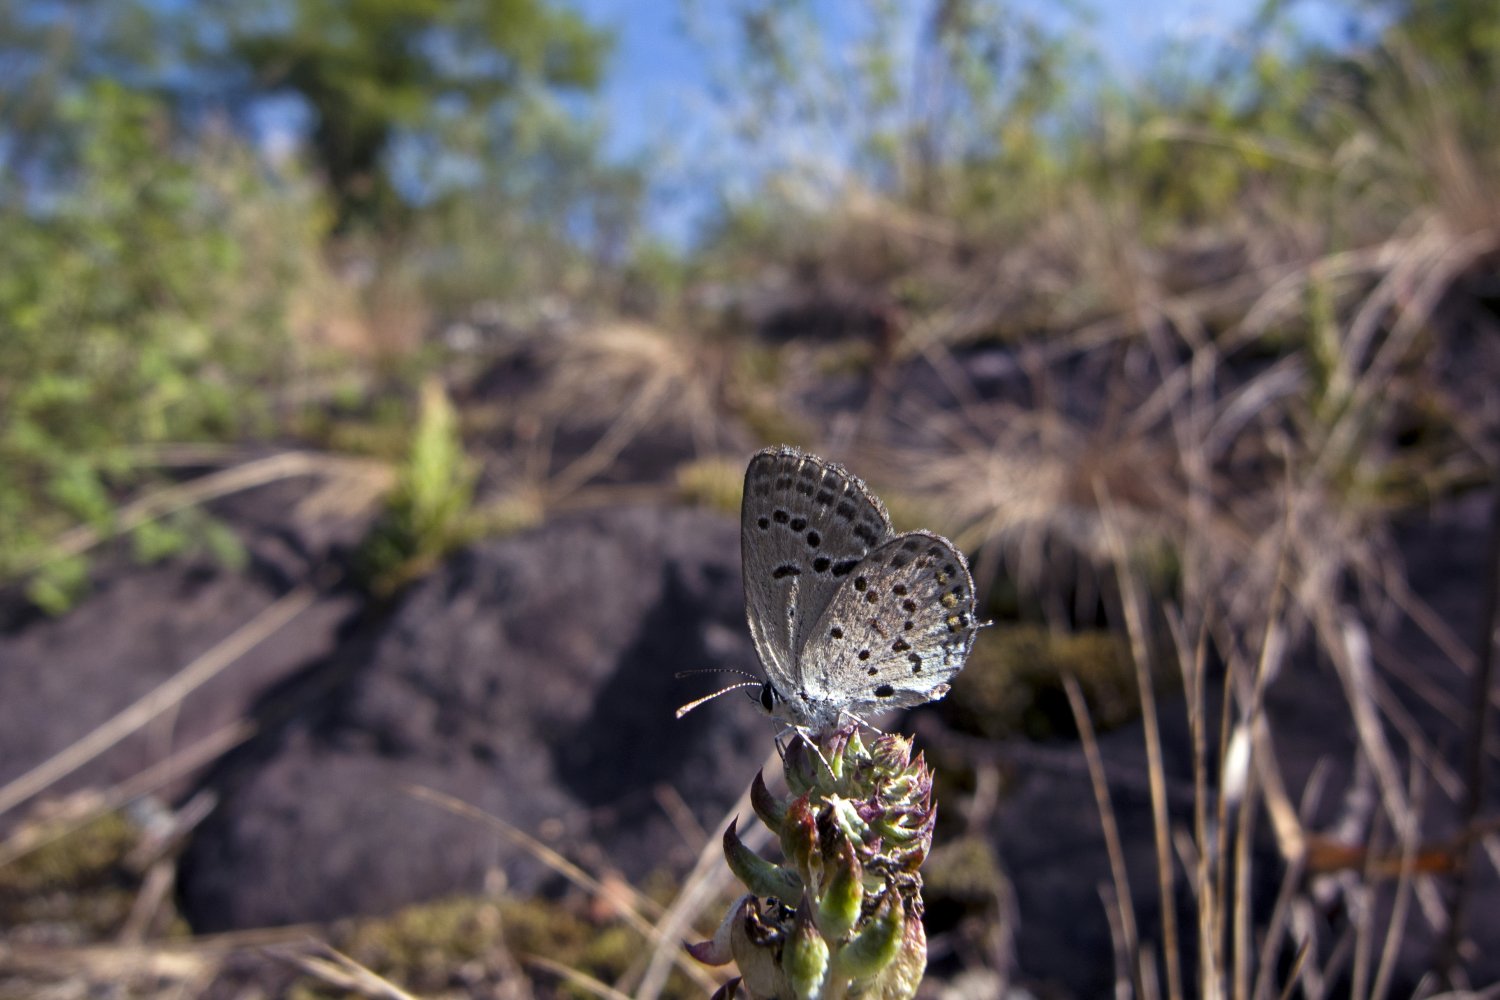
{"type": "Point", "coordinates": [800, 841]}
{"type": "Point", "coordinates": [729, 991]}
{"type": "Point", "coordinates": [716, 951]}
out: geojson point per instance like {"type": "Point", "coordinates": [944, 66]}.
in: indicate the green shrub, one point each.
{"type": "Point", "coordinates": [144, 299]}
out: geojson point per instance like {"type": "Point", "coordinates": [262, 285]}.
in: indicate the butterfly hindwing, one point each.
{"type": "Point", "coordinates": [897, 629]}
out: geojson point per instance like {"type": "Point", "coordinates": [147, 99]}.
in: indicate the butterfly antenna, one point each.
{"type": "Point", "coordinates": [715, 670]}
{"type": "Point", "coordinates": [685, 709]}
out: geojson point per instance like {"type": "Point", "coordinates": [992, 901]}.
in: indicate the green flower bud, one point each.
{"type": "Point", "coordinates": [873, 948]}
{"type": "Point", "coordinates": [843, 892]}
{"type": "Point", "coordinates": [805, 959]}
{"type": "Point", "coordinates": [842, 916]}
{"type": "Point", "coordinates": [759, 875]}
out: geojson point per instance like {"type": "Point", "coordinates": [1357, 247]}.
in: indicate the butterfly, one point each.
{"type": "Point", "coordinates": [848, 617]}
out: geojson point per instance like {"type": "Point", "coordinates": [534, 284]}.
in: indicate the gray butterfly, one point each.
{"type": "Point", "coordinates": [848, 617]}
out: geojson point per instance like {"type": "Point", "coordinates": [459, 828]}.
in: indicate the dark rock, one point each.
{"type": "Point", "coordinates": [531, 678]}
{"type": "Point", "coordinates": [826, 314]}
{"type": "Point", "coordinates": [60, 678]}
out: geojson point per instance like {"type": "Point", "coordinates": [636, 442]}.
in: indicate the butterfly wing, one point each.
{"type": "Point", "coordinates": [898, 628]}
{"type": "Point", "coordinates": [804, 525]}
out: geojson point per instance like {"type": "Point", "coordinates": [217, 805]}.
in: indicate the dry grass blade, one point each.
{"type": "Point", "coordinates": [1243, 927]}
{"type": "Point", "coordinates": [1261, 780]}
{"type": "Point", "coordinates": [708, 880]}
{"type": "Point", "coordinates": [1136, 627]}
{"type": "Point", "coordinates": [573, 977]}
{"type": "Point", "coordinates": [1193, 661]}
{"type": "Point", "coordinates": [1348, 643]}
{"type": "Point", "coordinates": [1113, 846]}
{"type": "Point", "coordinates": [1410, 843]}
{"type": "Point", "coordinates": [366, 479]}
{"type": "Point", "coordinates": [623, 428]}
{"type": "Point", "coordinates": [27, 838]}
{"type": "Point", "coordinates": [1261, 147]}
{"type": "Point", "coordinates": [1295, 973]}
{"type": "Point", "coordinates": [329, 965]}
{"type": "Point", "coordinates": [1024, 485]}
{"type": "Point", "coordinates": [164, 696]}
{"type": "Point", "coordinates": [1278, 927]}
{"type": "Point", "coordinates": [112, 963]}
{"type": "Point", "coordinates": [536, 849]}
{"type": "Point", "coordinates": [630, 906]}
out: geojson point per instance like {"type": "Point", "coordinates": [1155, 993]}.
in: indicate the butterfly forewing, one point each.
{"type": "Point", "coordinates": [898, 628]}
{"type": "Point", "coordinates": [805, 524]}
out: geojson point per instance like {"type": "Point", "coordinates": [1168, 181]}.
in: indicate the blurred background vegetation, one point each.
{"type": "Point", "coordinates": [268, 221]}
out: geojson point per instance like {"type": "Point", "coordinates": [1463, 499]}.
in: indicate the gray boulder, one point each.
{"type": "Point", "coordinates": [530, 677]}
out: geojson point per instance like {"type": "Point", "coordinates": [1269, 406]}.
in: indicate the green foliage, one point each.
{"type": "Point", "coordinates": [539, 214]}
{"type": "Point", "coordinates": [57, 585]}
{"type": "Point", "coordinates": [146, 301]}
{"type": "Point", "coordinates": [381, 72]}
{"type": "Point", "coordinates": [1458, 37]}
{"type": "Point", "coordinates": [430, 511]}
{"type": "Point", "coordinates": [188, 531]}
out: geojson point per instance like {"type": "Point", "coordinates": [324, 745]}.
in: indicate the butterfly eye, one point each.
{"type": "Point", "coordinates": [768, 697]}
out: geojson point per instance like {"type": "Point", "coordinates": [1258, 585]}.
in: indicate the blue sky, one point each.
{"type": "Point", "coordinates": [657, 100]}
{"type": "Point", "coordinates": [657, 79]}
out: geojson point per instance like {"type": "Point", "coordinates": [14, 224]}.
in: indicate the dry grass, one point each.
{"type": "Point", "coordinates": [630, 378]}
